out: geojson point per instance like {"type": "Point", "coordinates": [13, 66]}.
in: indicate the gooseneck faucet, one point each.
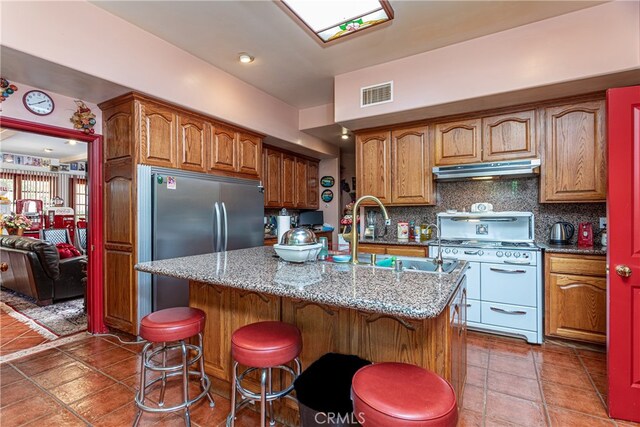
{"type": "Point", "coordinates": [438, 259]}
{"type": "Point", "coordinates": [354, 226]}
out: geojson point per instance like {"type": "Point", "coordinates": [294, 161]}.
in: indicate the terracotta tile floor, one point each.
{"type": "Point", "coordinates": [16, 336]}
{"type": "Point", "coordinates": [93, 381]}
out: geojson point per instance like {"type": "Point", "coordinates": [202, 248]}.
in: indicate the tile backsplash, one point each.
{"type": "Point", "coordinates": [505, 195]}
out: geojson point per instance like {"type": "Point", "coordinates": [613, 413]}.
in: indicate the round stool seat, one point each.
{"type": "Point", "coordinates": [399, 394]}
{"type": "Point", "coordinates": [266, 344]}
{"type": "Point", "coordinates": [172, 324]}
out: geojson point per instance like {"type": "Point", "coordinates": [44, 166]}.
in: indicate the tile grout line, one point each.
{"type": "Point", "coordinates": [593, 384]}
{"type": "Point", "coordinates": [541, 390]}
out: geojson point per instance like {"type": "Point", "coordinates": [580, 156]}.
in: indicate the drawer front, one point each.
{"type": "Point", "coordinates": [592, 266]}
{"type": "Point", "coordinates": [473, 280]}
{"type": "Point", "coordinates": [372, 249]}
{"type": "Point", "coordinates": [406, 251]}
{"type": "Point", "coordinates": [473, 310]}
{"type": "Point", "coordinates": [509, 284]}
{"type": "Point", "coordinates": [509, 316]}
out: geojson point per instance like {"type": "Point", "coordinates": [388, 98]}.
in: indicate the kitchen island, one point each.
{"type": "Point", "coordinates": [375, 313]}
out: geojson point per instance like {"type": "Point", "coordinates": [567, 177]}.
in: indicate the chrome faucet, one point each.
{"type": "Point", "coordinates": [354, 226]}
{"type": "Point", "coordinates": [438, 259]}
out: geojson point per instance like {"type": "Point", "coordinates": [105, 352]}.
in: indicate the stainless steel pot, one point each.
{"type": "Point", "coordinates": [298, 237]}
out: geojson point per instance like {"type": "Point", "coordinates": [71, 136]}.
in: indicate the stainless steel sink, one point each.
{"type": "Point", "coordinates": [423, 265]}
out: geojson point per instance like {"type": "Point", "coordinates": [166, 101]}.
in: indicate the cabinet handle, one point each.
{"type": "Point", "coordinates": [467, 305]}
{"type": "Point", "coordinates": [499, 310]}
{"type": "Point", "coordinates": [471, 252]}
{"type": "Point", "coordinates": [502, 270]}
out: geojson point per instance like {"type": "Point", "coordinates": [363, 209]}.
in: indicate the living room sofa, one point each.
{"type": "Point", "coordinates": [36, 270]}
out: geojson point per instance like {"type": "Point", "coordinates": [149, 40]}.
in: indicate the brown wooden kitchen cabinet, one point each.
{"type": "Point", "coordinates": [290, 180]}
{"type": "Point", "coordinates": [458, 142]}
{"type": "Point", "coordinates": [576, 297]}
{"type": "Point", "coordinates": [193, 138]}
{"type": "Point", "coordinates": [395, 166]}
{"type": "Point", "coordinates": [509, 136]}
{"type": "Point", "coordinates": [574, 166]}
{"type": "Point", "coordinates": [399, 250]}
{"type": "Point", "coordinates": [158, 135]}
{"type": "Point", "coordinates": [139, 129]}
{"type": "Point", "coordinates": [373, 165]}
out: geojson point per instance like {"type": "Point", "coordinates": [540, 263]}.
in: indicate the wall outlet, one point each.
{"type": "Point", "coordinates": [603, 222]}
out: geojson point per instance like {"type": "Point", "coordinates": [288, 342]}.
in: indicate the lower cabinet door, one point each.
{"type": "Point", "coordinates": [509, 316]}
{"type": "Point", "coordinates": [473, 280]}
{"type": "Point", "coordinates": [473, 311]}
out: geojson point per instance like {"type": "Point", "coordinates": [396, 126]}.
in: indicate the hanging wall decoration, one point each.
{"type": "Point", "coordinates": [83, 119]}
{"type": "Point", "coordinates": [327, 181]}
{"type": "Point", "coordinates": [7, 89]}
{"type": "Point", "coordinates": [327, 196]}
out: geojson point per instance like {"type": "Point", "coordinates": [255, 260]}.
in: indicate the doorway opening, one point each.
{"type": "Point", "coordinates": [52, 177]}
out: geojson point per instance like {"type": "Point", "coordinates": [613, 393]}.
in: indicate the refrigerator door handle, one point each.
{"type": "Point", "coordinates": [226, 226]}
{"type": "Point", "coordinates": [218, 226]}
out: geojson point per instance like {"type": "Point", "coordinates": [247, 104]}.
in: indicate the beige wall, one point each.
{"type": "Point", "coordinates": [64, 109]}
{"type": "Point", "coordinates": [597, 41]}
{"type": "Point", "coordinates": [124, 54]}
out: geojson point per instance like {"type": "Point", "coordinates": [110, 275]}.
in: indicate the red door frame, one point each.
{"type": "Point", "coordinates": [623, 293]}
{"type": "Point", "coordinates": [95, 281]}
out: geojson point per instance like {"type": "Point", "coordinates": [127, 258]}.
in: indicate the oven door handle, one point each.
{"type": "Point", "coordinates": [502, 270]}
{"type": "Point", "coordinates": [506, 261]}
{"type": "Point", "coordinates": [517, 312]}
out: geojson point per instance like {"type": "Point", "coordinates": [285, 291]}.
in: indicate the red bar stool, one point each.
{"type": "Point", "coordinates": [399, 394]}
{"type": "Point", "coordinates": [166, 326]}
{"type": "Point", "coordinates": [263, 346]}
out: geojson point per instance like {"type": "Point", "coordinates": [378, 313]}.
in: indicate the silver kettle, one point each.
{"type": "Point", "coordinates": [561, 233]}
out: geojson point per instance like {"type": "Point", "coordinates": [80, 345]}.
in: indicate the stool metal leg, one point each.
{"type": "Point", "coordinates": [272, 422]}
{"type": "Point", "coordinates": [143, 382]}
{"type": "Point", "coordinates": [164, 375]}
{"type": "Point", "coordinates": [185, 383]}
{"type": "Point", "coordinates": [263, 397]}
{"type": "Point", "coordinates": [232, 416]}
{"type": "Point", "coordinates": [202, 373]}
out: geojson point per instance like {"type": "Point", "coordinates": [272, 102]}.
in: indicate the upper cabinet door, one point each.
{"type": "Point", "coordinates": [271, 176]}
{"type": "Point", "coordinates": [192, 141]}
{"type": "Point", "coordinates": [288, 181]}
{"type": "Point", "coordinates": [249, 150]}
{"type": "Point", "coordinates": [574, 167]}
{"type": "Point", "coordinates": [158, 136]}
{"type": "Point", "coordinates": [373, 169]}
{"type": "Point", "coordinates": [411, 167]}
{"type": "Point", "coordinates": [301, 200]}
{"type": "Point", "coordinates": [312, 187]}
{"type": "Point", "coordinates": [222, 151]}
{"type": "Point", "coordinates": [509, 136]}
{"type": "Point", "coordinates": [458, 142]}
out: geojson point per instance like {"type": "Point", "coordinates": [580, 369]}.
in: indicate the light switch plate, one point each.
{"type": "Point", "coordinates": [603, 222]}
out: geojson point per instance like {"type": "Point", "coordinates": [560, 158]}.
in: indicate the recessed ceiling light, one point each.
{"type": "Point", "coordinates": [345, 136]}
{"type": "Point", "coordinates": [245, 58]}
{"type": "Point", "coordinates": [48, 150]}
{"type": "Point", "coordinates": [72, 142]}
{"type": "Point", "coordinates": [331, 20]}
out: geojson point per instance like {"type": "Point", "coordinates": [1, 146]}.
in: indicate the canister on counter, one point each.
{"type": "Point", "coordinates": [403, 231]}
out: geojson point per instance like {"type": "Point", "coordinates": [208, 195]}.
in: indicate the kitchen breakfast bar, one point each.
{"type": "Point", "coordinates": [376, 313]}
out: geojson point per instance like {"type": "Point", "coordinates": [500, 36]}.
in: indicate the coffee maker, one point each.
{"type": "Point", "coordinates": [585, 234]}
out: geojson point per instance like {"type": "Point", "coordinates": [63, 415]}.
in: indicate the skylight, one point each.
{"type": "Point", "coordinates": [333, 19]}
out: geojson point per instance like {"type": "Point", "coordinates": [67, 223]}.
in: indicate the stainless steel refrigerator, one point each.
{"type": "Point", "coordinates": [194, 214]}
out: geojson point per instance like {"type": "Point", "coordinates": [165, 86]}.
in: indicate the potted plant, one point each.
{"type": "Point", "coordinates": [15, 223]}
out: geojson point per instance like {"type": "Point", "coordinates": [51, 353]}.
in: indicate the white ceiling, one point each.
{"type": "Point", "coordinates": [32, 144]}
{"type": "Point", "coordinates": [295, 67]}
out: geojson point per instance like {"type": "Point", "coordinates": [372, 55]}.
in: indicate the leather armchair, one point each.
{"type": "Point", "coordinates": [36, 270]}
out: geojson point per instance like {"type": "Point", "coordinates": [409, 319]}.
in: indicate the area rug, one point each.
{"type": "Point", "coordinates": [62, 319]}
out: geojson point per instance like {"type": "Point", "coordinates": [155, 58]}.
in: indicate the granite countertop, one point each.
{"type": "Point", "coordinates": [573, 249]}
{"type": "Point", "coordinates": [407, 294]}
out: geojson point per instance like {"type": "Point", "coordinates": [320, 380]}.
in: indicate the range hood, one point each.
{"type": "Point", "coordinates": [510, 169]}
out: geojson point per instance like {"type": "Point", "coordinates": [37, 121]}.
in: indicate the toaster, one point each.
{"type": "Point", "coordinates": [482, 207]}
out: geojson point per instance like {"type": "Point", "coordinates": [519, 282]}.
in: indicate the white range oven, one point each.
{"type": "Point", "coordinates": [504, 281]}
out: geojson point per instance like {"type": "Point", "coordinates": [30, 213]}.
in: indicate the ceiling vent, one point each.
{"type": "Point", "coordinates": [376, 94]}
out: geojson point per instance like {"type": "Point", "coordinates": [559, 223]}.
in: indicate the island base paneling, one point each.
{"type": "Point", "coordinates": [437, 344]}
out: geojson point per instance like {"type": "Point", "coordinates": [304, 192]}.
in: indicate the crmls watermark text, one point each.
{"type": "Point", "coordinates": [332, 418]}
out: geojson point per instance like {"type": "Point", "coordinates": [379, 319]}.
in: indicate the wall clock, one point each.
{"type": "Point", "coordinates": [38, 102]}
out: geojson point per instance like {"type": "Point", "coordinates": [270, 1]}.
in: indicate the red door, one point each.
{"type": "Point", "coordinates": [623, 204]}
